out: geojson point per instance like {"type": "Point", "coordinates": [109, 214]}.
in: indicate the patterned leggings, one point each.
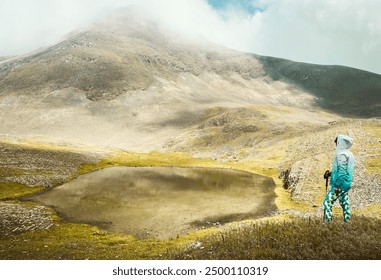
{"type": "Point", "coordinates": [331, 198]}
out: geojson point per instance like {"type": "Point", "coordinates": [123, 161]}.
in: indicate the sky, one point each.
{"type": "Point", "coordinates": [337, 32]}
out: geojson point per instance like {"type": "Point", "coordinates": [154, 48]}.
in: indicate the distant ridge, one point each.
{"type": "Point", "coordinates": [344, 90]}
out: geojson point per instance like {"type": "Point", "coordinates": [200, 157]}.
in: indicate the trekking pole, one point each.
{"type": "Point", "coordinates": [327, 174]}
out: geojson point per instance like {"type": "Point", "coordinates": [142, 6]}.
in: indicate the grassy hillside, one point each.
{"type": "Point", "coordinates": [295, 239]}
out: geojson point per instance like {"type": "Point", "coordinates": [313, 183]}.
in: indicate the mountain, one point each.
{"type": "Point", "coordinates": [121, 54]}
{"type": "Point", "coordinates": [128, 82]}
{"type": "Point", "coordinates": [344, 90]}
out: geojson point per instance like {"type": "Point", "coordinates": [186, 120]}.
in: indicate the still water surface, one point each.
{"type": "Point", "coordinates": [161, 202]}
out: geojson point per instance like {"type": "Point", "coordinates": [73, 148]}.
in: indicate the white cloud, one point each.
{"type": "Point", "coordinates": [324, 31]}
{"type": "Point", "coordinates": [317, 31]}
{"type": "Point", "coordinates": [26, 25]}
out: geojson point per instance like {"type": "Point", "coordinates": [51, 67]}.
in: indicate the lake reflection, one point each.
{"type": "Point", "coordinates": [161, 202]}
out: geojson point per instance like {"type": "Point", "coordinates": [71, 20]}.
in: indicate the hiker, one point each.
{"type": "Point", "coordinates": [341, 178]}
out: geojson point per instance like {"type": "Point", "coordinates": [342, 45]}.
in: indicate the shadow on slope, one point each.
{"type": "Point", "coordinates": [347, 91]}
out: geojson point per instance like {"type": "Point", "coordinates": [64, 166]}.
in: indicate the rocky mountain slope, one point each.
{"type": "Point", "coordinates": [127, 82]}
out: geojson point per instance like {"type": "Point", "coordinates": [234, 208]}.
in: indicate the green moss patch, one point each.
{"type": "Point", "coordinates": [16, 190]}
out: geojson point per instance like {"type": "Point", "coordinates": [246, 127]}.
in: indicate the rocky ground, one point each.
{"type": "Point", "coordinates": [31, 168]}
{"type": "Point", "coordinates": [15, 218]}
{"type": "Point", "coordinates": [298, 145]}
{"type": "Point", "coordinates": [38, 167]}
{"type": "Point", "coordinates": [310, 156]}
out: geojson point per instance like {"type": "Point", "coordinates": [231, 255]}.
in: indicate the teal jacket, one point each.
{"type": "Point", "coordinates": [343, 164]}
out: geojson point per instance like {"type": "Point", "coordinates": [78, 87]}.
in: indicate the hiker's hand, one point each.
{"type": "Point", "coordinates": [337, 190]}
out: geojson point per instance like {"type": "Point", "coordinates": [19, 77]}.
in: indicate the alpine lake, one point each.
{"type": "Point", "coordinates": [161, 202]}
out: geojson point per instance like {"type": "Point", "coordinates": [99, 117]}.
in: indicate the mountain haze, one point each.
{"type": "Point", "coordinates": [126, 81]}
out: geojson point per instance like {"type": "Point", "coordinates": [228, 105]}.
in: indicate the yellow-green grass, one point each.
{"type": "Point", "coordinates": [17, 167]}
{"type": "Point", "coordinates": [297, 238]}
{"type": "Point", "coordinates": [80, 241]}
{"type": "Point", "coordinates": [11, 190]}
{"type": "Point", "coordinates": [372, 211]}
{"type": "Point", "coordinates": [76, 241]}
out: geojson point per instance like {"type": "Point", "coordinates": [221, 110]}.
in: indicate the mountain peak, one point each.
{"type": "Point", "coordinates": [126, 52]}
{"type": "Point", "coordinates": [120, 53]}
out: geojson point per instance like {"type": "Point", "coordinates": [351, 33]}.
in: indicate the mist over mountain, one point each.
{"type": "Point", "coordinates": [129, 82]}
